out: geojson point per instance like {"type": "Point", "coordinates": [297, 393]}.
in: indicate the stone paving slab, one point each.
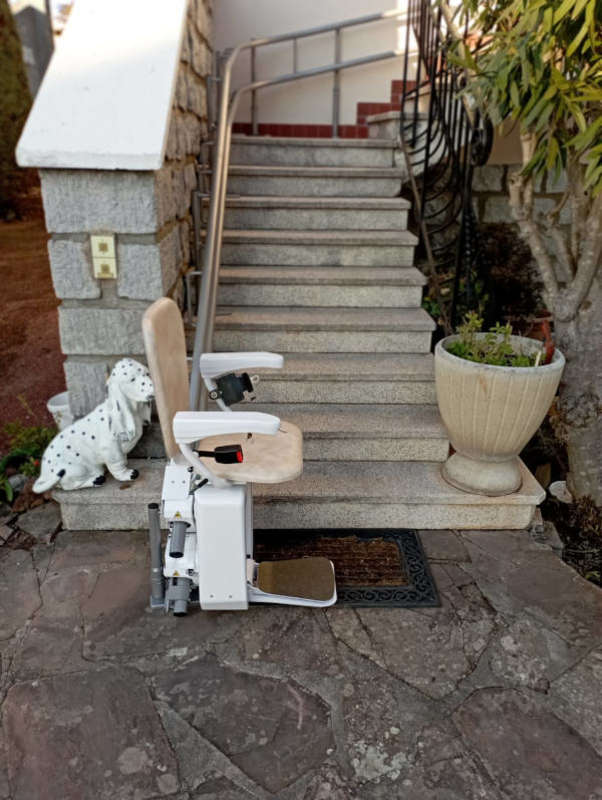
{"type": "Point", "coordinates": [493, 696]}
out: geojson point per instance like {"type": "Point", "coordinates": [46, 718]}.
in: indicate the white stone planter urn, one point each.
{"type": "Point", "coordinates": [490, 413]}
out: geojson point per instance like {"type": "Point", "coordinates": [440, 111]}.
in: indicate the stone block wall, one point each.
{"type": "Point", "coordinates": [150, 215]}
{"type": "Point", "coordinates": [490, 194]}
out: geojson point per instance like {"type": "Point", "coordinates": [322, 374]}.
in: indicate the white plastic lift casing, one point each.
{"type": "Point", "coordinates": [220, 511]}
{"type": "Point", "coordinates": [221, 548]}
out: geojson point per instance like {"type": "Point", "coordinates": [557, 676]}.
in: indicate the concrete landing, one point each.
{"type": "Point", "coordinates": [492, 696]}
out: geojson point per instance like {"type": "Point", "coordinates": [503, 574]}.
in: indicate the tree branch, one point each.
{"type": "Point", "coordinates": [564, 259]}
{"type": "Point", "coordinates": [579, 206]}
{"type": "Point", "coordinates": [523, 214]}
{"type": "Point", "coordinates": [569, 300]}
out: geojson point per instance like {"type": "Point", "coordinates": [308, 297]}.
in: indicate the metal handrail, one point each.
{"type": "Point", "coordinates": [203, 340]}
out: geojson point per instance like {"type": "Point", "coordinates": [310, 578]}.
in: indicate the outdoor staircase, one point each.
{"type": "Point", "coordinates": [317, 264]}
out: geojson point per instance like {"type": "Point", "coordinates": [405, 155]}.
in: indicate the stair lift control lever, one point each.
{"type": "Point", "coordinates": [232, 388]}
{"type": "Point", "coordinates": [225, 387]}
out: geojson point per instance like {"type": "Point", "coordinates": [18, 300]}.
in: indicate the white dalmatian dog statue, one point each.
{"type": "Point", "coordinates": [76, 457]}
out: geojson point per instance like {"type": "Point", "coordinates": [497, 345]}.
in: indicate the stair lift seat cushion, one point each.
{"type": "Point", "coordinates": [267, 459]}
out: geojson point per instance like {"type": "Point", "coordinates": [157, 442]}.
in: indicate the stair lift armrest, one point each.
{"type": "Point", "coordinates": [218, 372]}
{"type": "Point", "coordinates": [213, 365]}
{"type": "Point", "coordinates": [190, 426]}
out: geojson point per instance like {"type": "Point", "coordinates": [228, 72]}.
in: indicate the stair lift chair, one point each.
{"type": "Point", "coordinates": [214, 457]}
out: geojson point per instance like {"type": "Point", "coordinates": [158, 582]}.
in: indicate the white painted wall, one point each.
{"type": "Point", "coordinates": [105, 101]}
{"type": "Point", "coordinates": [310, 101]}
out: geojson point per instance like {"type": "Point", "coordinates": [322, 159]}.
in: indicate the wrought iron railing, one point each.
{"type": "Point", "coordinates": [443, 139]}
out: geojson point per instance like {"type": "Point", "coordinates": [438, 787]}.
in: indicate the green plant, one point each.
{"type": "Point", "coordinates": [30, 468]}
{"type": "Point", "coordinates": [32, 439]}
{"type": "Point", "coordinates": [431, 306]}
{"type": "Point", "coordinates": [539, 62]}
{"type": "Point", "coordinates": [493, 348]}
{"type": "Point", "coordinates": [27, 445]}
{"type": "Point", "coordinates": [6, 490]}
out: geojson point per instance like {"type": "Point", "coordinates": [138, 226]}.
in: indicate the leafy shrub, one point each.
{"type": "Point", "coordinates": [494, 348]}
{"type": "Point", "coordinates": [27, 445]}
{"type": "Point", "coordinates": [33, 439]}
{"type": "Point", "coordinates": [6, 490]}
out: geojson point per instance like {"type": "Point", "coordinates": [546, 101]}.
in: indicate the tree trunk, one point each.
{"type": "Point", "coordinates": [15, 102]}
{"type": "Point", "coordinates": [580, 402]}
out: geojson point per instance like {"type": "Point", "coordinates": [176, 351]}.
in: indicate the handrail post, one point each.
{"type": "Point", "coordinates": [254, 125]}
{"type": "Point", "coordinates": [336, 85]}
{"type": "Point", "coordinates": [205, 297]}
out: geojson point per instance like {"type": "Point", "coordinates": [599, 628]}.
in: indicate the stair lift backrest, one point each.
{"type": "Point", "coordinates": [165, 345]}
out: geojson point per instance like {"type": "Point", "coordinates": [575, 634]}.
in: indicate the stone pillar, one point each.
{"type": "Point", "coordinates": [149, 214]}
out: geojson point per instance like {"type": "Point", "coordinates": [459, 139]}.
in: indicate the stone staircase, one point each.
{"type": "Point", "coordinates": [317, 264]}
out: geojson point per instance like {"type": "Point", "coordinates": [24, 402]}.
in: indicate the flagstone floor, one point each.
{"type": "Point", "coordinates": [494, 695]}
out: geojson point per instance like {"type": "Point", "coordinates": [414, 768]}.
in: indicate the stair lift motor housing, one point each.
{"type": "Point", "coordinates": [210, 541]}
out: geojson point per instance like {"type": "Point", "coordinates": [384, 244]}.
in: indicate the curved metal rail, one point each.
{"type": "Point", "coordinates": [441, 147]}
{"type": "Point", "coordinates": [228, 103]}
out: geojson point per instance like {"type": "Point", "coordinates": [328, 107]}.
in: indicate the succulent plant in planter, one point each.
{"type": "Point", "coordinates": [494, 390]}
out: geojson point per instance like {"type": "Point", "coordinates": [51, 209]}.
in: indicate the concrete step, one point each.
{"type": "Point", "coordinates": [388, 495]}
{"type": "Point", "coordinates": [327, 378]}
{"type": "Point", "coordinates": [337, 432]}
{"type": "Point", "coordinates": [328, 495]}
{"type": "Point", "coordinates": [349, 378]}
{"type": "Point", "coordinates": [316, 213]}
{"type": "Point", "coordinates": [315, 181]}
{"type": "Point", "coordinates": [323, 330]}
{"type": "Point", "coordinates": [290, 151]}
{"type": "Point", "coordinates": [363, 287]}
{"type": "Point", "coordinates": [387, 124]}
{"type": "Point", "coordinates": [318, 248]}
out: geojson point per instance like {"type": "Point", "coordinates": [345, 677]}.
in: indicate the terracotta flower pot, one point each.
{"type": "Point", "coordinates": [490, 414]}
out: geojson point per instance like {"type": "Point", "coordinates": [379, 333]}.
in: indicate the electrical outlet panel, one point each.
{"type": "Point", "coordinates": [104, 259]}
{"type": "Point", "coordinates": [103, 246]}
{"type": "Point", "coordinates": [105, 267]}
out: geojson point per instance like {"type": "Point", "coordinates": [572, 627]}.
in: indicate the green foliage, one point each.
{"type": "Point", "coordinates": [431, 306]}
{"type": "Point", "coordinates": [540, 62]}
{"type": "Point", "coordinates": [494, 348]}
{"type": "Point", "coordinates": [32, 439]}
{"type": "Point", "coordinates": [6, 490]}
{"type": "Point", "coordinates": [27, 445]}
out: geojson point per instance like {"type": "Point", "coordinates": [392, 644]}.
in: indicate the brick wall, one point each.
{"type": "Point", "coordinates": [149, 214]}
